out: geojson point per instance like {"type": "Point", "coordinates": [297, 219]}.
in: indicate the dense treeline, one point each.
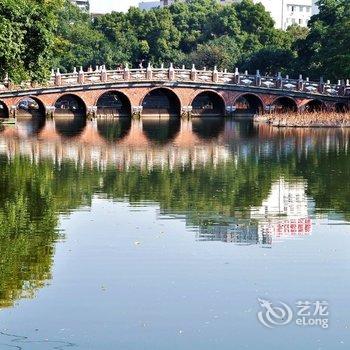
{"type": "Point", "coordinates": [36, 34]}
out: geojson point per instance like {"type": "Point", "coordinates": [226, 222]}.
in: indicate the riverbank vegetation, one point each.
{"type": "Point", "coordinates": [38, 34]}
{"type": "Point", "coordinates": [316, 119]}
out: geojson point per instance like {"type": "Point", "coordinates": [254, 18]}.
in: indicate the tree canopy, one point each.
{"type": "Point", "coordinates": [38, 34]}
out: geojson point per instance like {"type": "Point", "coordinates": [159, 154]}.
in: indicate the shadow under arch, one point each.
{"type": "Point", "coordinates": [341, 108]}
{"type": "Point", "coordinates": [70, 105]}
{"type": "Point", "coordinates": [284, 105]}
{"type": "Point", "coordinates": [30, 106]}
{"type": "Point", "coordinates": [208, 104]}
{"type": "Point", "coordinates": [161, 130]}
{"type": "Point", "coordinates": [208, 128]}
{"type": "Point", "coordinates": [4, 111]}
{"type": "Point", "coordinates": [113, 130]}
{"type": "Point", "coordinates": [113, 103]}
{"type": "Point", "coordinates": [161, 102]}
{"type": "Point", "coordinates": [314, 106]}
{"type": "Point", "coordinates": [70, 127]}
{"type": "Point", "coordinates": [247, 105]}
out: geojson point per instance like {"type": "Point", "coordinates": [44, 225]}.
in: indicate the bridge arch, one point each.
{"type": "Point", "coordinates": [113, 103]}
{"type": "Point", "coordinates": [284, 105]}
{"type": "Point", "coordinates": [160, 102]}
{"type": "Point", "coordinates": [248, 104]}
{"type": "Point", "coordinates": [70, 105]}
{"type": "Point", "coordinates": [314, 106]}
{"type": "Point", "coordinates": [30, 106]}
{"type": "Point", "coordinates": [4, 110]}
{"type": "Point", "coordinates": [208, 103]}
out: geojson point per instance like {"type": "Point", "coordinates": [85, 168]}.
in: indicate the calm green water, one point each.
{"type": "Point", "coordinates": [163, 235]}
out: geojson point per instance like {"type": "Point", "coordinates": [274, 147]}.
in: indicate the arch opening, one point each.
{"type": "Point", "coordinates": [248, 105]}
{"type": "Point", "coordinates": [314, 106]}
{"type": "Point", "coordinates": [30, 107]}
{"type": "Point", "coordinates": [161, 103]}
{"type": "Point", "coordinates": [4, 111]}
{"type": "Point", "coordinates": [70, 105]}
{"type": "Point", "coordinates": [113, 103]}
{"type": "Point", "coordinates": [284, 105]}
{"type": "Point", "coordinates": [341, 108]}
{"type": "Point", "coordinates": [208, 104]}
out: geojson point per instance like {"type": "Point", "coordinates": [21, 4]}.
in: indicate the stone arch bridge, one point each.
{"type": "Point", "coordinates": [170, 92]}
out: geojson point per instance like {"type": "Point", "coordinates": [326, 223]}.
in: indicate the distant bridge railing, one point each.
{"type": "Point", "coordinates": [102, 75]}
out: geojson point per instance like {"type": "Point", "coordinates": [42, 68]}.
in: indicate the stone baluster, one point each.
{"type": "Point", "coordinates": [149, 72]}
{"type": "Point", "coordinates": [81, 76]}
{"type": "Point", "coordinates": [104, 77]}
{"type": "Point", "coordinates": [7, 80]}
{"type": "Point", "coordinates": [215, 75]}
{"type": "Point", "coordinates": [279, 82]}
{"type": "Point", "coordinates": [237, 76]}
{"type": "Point", "coordinates": [193, 73]}
{"type": "Point", "coordinates": [58, 78]}
{"type": "Point", "coordinates": [321, 86]}
{"type": "Point", "coordinates": [171, 72]}
{"type": "Point", "coordinates": [126, 72]}
{"type": "Point", "coordinates": [300, 84]}
{"type": "Point", "coordinates": [90, 70]}
{"type": "Point", "coordinates": [257, 78]}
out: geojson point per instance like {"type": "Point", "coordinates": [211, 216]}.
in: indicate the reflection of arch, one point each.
{"type": "Point", "coordinates": [114, 103]}
{"type": "Point", "coordinates": [70, 127]}
{"type": "Point", "coordinates": [4, 111]}
{"type": "Point", "coordinates": [314, 106]}
{"type": "Point", "coordinates": [114, 129]}
{"type": "Point", "coordinates": [208, 128]}
{"type": "Point", "coordinates": [161, 102]}
{"type": "Point", "coordinates": [161, 131]}
{"type": "Point", "coordinates": [208, 103]}
{"type": "Point", "coordinates": [341, 108]}
{"type": "Point", "coordinates": [284, 105]}
{"type": "Point", "coordinates": [70, 105]}
{"type": "Point", "coordinates": [30, 106]}
{"type": "Point", "coordinates": [249, 104]}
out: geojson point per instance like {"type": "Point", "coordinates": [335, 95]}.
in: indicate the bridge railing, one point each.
{"type": "Point", "coordinates": [204, 76]}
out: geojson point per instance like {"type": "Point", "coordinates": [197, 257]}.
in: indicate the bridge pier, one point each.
{"type": "Point", "coordinates": [50, 111]}
{"type": "Point", "coordinates": [186, 112]}
{"type": "Point", "coordinates": [136, 112]}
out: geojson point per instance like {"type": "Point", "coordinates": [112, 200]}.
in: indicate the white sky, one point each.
{"type": "Point", "coordinates": [102, 6]}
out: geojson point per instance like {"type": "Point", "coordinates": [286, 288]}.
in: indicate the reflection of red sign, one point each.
{"type": "Point", "coordinates": [292, 227]}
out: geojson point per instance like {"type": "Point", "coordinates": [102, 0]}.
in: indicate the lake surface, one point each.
{"type": "Point", "coordinates": [165, 234]}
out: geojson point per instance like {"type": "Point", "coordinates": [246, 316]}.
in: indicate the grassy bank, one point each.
{"type": "Point", "coordinates": [319, 119]}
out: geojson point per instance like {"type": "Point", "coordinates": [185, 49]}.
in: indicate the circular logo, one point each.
{"type": "Point", "coordinates": [272, 316]}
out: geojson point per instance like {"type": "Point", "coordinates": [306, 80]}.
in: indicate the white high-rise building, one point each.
{"type": "Point", "coordinates": [82, 4]}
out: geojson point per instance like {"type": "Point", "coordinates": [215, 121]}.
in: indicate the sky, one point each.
{"type": "Point", "coordinates": [102, 6]}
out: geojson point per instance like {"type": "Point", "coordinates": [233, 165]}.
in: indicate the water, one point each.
{"type": "Point", "coordinates": [164, 234]}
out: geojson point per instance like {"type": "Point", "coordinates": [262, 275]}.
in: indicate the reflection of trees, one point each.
{"type": "Point", "coordinates": [211, 196]}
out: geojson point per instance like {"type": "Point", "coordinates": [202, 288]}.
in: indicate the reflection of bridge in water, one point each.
{"type": "Point", "coordinates": [89, 146]}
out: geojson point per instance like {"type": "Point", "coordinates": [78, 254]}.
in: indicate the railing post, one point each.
{"type": "Point", "coordinates": [300, 85]}
{"type": "Point", "coordinates": [103, 74]}
{"type": "Point", "coordinates": [126, 72]}
{"type": "Point", "coordinates": [149, 72]}
{"type": "Point", "coordinates": [215, 75]}
{"type": "Point", "coordinates": [171, 72]}
{"type": "Point", "coordinates": [237, 76]}
{"type": "Point", "coordinates": [321, 86]}
{"type": "Point", "coordinates": [58, 78]}
{"type": "Point", "coordinates": [81, 76]}
{"type": "Point", "coordinates": [279, 82]}
{"type": "Point", "coordinates": [193, 73]}
{"type": "Point", "coordinates": [257, 78]}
